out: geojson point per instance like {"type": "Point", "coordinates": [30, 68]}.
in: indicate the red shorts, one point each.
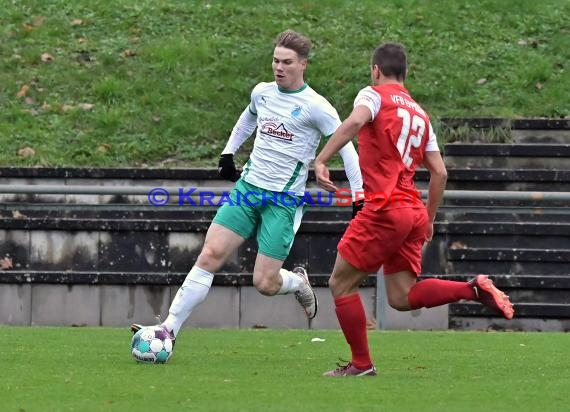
{"type": "Point", "coordinates": [391, 238]}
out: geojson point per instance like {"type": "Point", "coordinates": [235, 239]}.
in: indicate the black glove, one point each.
{"type": "Point", "coordinates": [227, 168]}
{"type": "Point", "coordinates": [357, 206]}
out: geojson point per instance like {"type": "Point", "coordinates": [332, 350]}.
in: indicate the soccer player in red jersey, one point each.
{"type": "Point", "coordinates": [395, 136]}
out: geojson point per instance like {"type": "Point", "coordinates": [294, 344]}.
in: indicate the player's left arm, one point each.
{"type": "Point", "coordinates": [346, 131]}
{"type": "Point", "coordinates": [438, 178]}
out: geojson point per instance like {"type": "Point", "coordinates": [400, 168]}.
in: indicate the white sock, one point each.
{"type": "Point", "coordinates": [291, 282]}
{"type": "Point", "coordinates": [192, 292]}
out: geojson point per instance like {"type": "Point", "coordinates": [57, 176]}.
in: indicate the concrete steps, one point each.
{"type": "Point", "coordinates": [521, 131]}
{"type": "Point", "coordinates": [112, 259]}
{"type": "Point", "coordinates": [508, 156]}
{"type": "Point", "coordinates": [541, 302]}
{"type": "Point", "coordinates": [506, 260]}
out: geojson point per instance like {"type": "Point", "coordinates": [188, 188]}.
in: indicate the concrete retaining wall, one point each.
{"type": "Point", "coordinates": [121, 305]}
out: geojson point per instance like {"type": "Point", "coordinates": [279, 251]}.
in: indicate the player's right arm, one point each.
{"type": "Point", "coordinates": [242, 130]}
{"type": "Point", "coordinates": [366, 107]}
{"type": "Point", "coordinates": [346, 131]}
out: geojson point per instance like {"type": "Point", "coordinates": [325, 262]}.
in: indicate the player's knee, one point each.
{"type": "Point", "coordinates": [210, 258]}
{"type": "Point", "coordinates": [340, 286]}
{"type": "Point", "coordinates": [265, 285]}
{"type": "Point", "coordinates": [334, 285]}
{"type": "Point", "coordinates": [399, 302]}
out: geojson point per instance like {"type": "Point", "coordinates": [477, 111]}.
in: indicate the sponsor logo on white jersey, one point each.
{"type": "Point", "coordinates": [275, 129]}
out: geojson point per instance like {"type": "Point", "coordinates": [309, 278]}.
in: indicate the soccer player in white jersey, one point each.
{"type": "Point", "coordinates": [290, 118]}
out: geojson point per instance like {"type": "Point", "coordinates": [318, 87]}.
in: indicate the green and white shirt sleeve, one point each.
{"type": "Point", "coordinates": [352, 168]}
{"type": "Point", "coordinates": [242, 130]}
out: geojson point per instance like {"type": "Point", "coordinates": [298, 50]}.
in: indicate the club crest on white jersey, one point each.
{"type": "Point", "coordinates": [289, 128]}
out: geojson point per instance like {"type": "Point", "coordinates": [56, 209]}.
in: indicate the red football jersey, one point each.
{"type": "Point", "coordinates": [391, 147]}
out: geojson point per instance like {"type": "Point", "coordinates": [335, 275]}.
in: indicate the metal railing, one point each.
{"type": "Point", "coordinates": [219, 191]}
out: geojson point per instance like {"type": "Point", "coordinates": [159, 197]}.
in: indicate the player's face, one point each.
{"type": "Point", "coordinates": [288, 68]}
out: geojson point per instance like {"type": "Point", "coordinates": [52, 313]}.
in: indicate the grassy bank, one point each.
{"type": "Point", "coordinates": [161, 83]}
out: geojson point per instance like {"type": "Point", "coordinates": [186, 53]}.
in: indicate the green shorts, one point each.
{"type": "Point", "coordinates": [273, 217]}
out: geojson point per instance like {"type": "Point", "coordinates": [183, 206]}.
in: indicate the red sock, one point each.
{"type": "Point", "coordinates": [435, 292]}
{"type": "Point", "coordinates": [352, 319]}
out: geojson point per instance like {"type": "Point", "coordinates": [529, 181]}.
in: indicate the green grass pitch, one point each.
{"type": "Point", "coordinates": [90, 369]}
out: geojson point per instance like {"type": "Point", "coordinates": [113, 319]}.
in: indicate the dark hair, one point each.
{"type": "Point", "coordinates": [391, 60]}
{"type": "Point", "coordinates": [295, 41]}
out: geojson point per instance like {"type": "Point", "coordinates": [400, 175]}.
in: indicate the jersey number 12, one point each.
{"type": "Point", "coordinates": [413, 128]}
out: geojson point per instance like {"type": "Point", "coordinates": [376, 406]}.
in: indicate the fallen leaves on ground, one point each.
{"type": "Point", "coordinates": [26, 152]}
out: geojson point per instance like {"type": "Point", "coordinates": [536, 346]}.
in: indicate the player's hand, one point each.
{"type": "Point", "coordinates": [323, 177]}
{"type": "Point", "coordinates": [357, 206]}
{"type": "Point", "coordinates": [227, 168]}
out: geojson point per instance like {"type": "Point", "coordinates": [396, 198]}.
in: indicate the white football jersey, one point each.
{"type": "Point", "coordinates": [289, 128]}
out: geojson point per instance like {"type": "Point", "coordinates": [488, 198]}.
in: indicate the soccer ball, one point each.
{"type": "Point", "coordinates": [151, 344]}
